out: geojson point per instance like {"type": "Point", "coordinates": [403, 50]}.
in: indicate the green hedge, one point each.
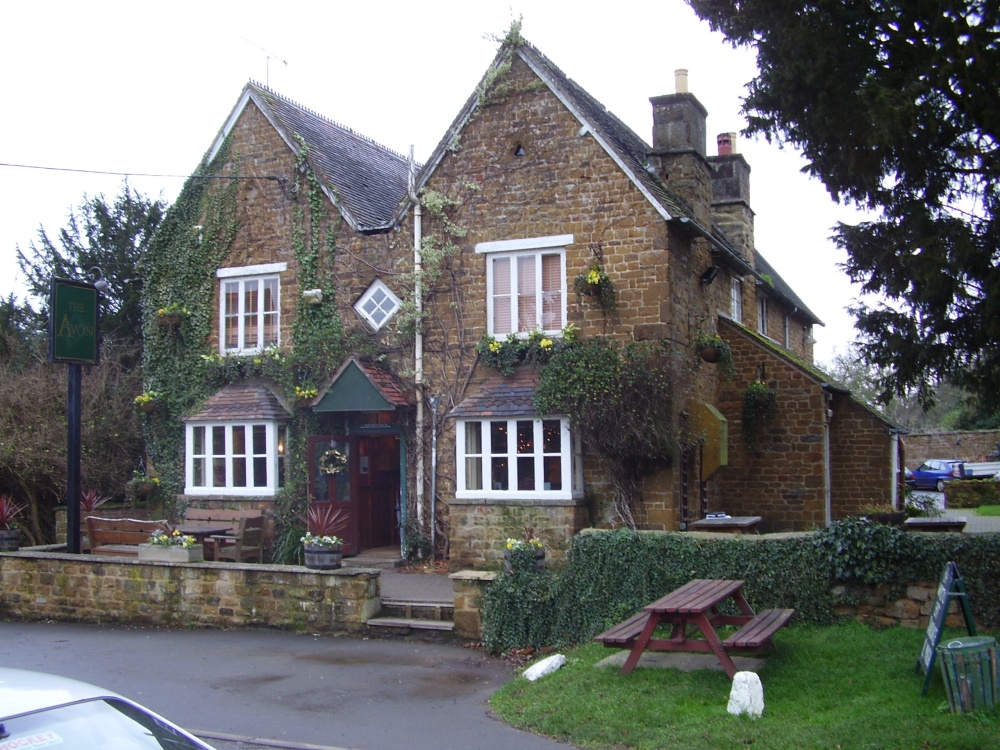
{"type": "Point", "coordinates": [971, 493]}
{"type": "Point", "coordinates": [611, 575]}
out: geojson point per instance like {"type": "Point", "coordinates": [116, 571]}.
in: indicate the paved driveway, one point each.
{"type": "Point", "coordinates": [299, 690]}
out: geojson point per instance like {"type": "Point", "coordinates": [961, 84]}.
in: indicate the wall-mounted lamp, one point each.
{"type": "Point", "coordinates": [312, 296]}
{"type": "Point", "coordinates": [709, 274]}
{"type": "Point", "coordinates": [101, 284]}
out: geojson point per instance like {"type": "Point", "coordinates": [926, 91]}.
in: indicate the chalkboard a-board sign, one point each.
{"type": "Point", "coordinates": [951, 585]}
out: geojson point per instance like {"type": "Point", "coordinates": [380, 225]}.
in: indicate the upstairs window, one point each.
{"type": "Point", "coordinates": [249, 315]}
{"type": "Point", "coordinates": [762, 315]}
{"type": "Point", "coordinates": [736, 307]}
{"type": "Point", "coordinates": [378, 304]}
{"type": "Point", "coordinates": [526, 284]}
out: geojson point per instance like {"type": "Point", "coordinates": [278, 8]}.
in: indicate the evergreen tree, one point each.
{"type": "Point", "coordinates": [896, 108]}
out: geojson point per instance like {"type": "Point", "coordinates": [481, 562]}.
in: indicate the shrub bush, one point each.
{"type": "Point", "coordinates": [611, 575]}
{"type": "Point", "coordinates": [971, 493]}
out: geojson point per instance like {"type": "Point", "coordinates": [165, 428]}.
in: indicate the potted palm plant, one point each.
{"type": "Point", "coordinates": [10, 534]}
{"type": "Point", "coordinates": [322, 548]}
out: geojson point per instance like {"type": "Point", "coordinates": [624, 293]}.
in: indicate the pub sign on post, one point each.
{"type": "Point", "coordinates": [74, 332]}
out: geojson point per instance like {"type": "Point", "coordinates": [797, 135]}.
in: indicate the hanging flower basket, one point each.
{"type": "Point", "coordinates": [710, 354]}
{"type": "Point", "coordinates": [170, 321]}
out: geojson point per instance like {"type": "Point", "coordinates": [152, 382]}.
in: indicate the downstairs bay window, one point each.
{"type": "Point", "coordinates": [517, 459]}
{"type": "Point", "coordinates": [239, 458]}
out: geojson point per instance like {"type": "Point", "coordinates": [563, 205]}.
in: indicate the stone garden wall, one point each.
{"type": "Point", "coordinates": [80, 588]}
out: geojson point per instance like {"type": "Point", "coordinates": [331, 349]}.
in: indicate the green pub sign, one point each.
{"type": "Point", "coordinates": [74, 334]}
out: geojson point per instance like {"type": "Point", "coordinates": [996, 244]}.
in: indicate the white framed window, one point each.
{"type": "Point", "coordinates": [234, 458]}
{"type": "Point", "coordinates": [378, 304]}
{"type": "Point", "coordinates": [249, 308]}
{"type": "Point", "coordinates": [736, 304]}
{"type": "Point", "coordinates": [526, 284]}
{"type": "Point", "coordinates": [522, 458]}
{"type": "Point", "coordinates": [762, 315]}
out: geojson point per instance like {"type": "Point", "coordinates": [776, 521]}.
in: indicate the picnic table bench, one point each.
{"type": "Point", "coordinates": [733, 524]}
{"type": "Point", "coordinates": [692, 609]}
{"type": "Point", "coordinates": [120, 537]}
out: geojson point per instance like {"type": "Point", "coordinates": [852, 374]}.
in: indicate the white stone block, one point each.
{"type": "Point", "coordinates": [747, 695]}
{"type": "Point", "coordinates": [546, 666]}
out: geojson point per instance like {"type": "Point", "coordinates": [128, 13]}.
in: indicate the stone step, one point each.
{"type": "Point", "coordinates": [414, 610]}
{"type": "Point", "coordinates": [411, 623]}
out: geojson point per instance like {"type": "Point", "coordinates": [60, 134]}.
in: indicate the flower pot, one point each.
{"type": "Point", "coordinates": [143, 489]}
{"type": "Point", "coordinates": [538, 554]}
{"type": "Point", "coordinates": [710, 354]}
{"type": "Point", "coordinates": [890, 518]}
{"type": "Point", "coordinates": [10, 540]}
{"type": "Point", "coordinates": [148, 406]}
{"type": "Point", "coordinates": [160, 553]}
{"type": "Point", "coordinates": [323, 558]}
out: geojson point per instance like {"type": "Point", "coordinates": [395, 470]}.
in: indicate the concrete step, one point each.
{"type": "Point", "coordinates": [404, 623]}
{"type": "Point", "coordinates": [414, 610]}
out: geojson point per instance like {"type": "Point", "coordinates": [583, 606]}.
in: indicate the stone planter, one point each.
{"type": "Point", "coordinates": [539, 555]}
{"type": "Point", "coordinates": [323, 558]}
{"type": "Point", "coordinates": [10, 540]}
{"type": "Point", "coordinates": [159, 553]}
{"type": "Point", "coordinates": [893, 518]}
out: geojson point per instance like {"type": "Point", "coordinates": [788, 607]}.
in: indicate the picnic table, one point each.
{"type": "Point", "coordinates": [693, 610]}
{"type": "Point", "coordinates": [734, 524]}
{"type": "Point", "coordinates": [202, 532]}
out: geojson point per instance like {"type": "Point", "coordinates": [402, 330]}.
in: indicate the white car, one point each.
{"type": "Point", "coordinates": [43, 710]}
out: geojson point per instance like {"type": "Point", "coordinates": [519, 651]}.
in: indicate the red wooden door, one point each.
{"type": "Point", "coordinates": [331, 471]}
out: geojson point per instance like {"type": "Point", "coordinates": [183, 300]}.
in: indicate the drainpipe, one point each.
{"type": "Point", "coordinates": [418, 340]}
{"type": "Point", "coordinates": [435, 400]}
{"type": "Point", "coordinates": [894, 468]}
{"type": "Point", "coordinates": [827, 416]}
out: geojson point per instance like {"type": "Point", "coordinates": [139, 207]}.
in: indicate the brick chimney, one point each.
{"type": "Point", "coordinates": [731, 194]}
{"type": "Point", "coordinates": [679, 145]}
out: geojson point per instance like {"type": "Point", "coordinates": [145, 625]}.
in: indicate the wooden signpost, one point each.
{"type": "Point", "coordinates": [951, 585]}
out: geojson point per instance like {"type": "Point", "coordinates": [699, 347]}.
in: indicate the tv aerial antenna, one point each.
{"type": "Point", "coordinates": [267, 69]}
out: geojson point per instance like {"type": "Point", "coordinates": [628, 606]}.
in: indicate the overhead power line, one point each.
{"type": "Point", "coordinates": [146, 174]}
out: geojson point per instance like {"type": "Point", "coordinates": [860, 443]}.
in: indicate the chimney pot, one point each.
{"type": "Point", "coordinates": [681, 81]}
{"type": "Point", "coordinates": [726, 143]}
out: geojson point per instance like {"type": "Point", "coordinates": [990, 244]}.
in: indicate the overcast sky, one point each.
{"type": "Point", "coordinates": [143, 88]}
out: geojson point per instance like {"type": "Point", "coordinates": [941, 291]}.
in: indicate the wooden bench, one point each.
{"type": "Point", "coordinates": [757, 633]}
{"type": "Point", "coordinates": [120, 537]}
{"type": "Point", "coordinates": [246, 544]}
{"type": "Point", "coordinates": [624, 633]}
{"type": "Point", "coordinates": [218, 517]}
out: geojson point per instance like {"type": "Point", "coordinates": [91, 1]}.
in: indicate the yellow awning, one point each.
{"type": "Point", "coordinates": [713, 430]}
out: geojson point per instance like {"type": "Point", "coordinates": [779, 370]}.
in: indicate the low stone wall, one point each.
{"type": "Point", "coordinates": [877, 606]}
{"type": "Point", "coordinates": [41, 585]}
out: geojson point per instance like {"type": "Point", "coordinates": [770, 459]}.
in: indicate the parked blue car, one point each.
{"type": "Point", "coordinates": [934, 472]}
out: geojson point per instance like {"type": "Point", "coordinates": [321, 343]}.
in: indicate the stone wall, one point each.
{"type": "Point", "coordinates": [972, 445]}
{"type": "Point", "coordinates": [480, 528]}
{"type": "Point", "coordinates": [860, 458]}
{"type": "Point", "coordinates": [79, 588]}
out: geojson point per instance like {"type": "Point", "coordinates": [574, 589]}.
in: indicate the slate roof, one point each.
{"type": "Point", "coordinates": [783, 290]}
{"type": "Point", "coordinates": [365, 180]}
{"type": "Point", "coordinates": [621, 142]}
{"type": "Point", "coordinates": [502, 397]}
{"type": "Point", "coordinates": [251, 400]}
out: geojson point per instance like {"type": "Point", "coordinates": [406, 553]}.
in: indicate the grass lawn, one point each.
{"type": "Point", "coordinates": [988, 510]}
{"type": "Point", "coordinates": [846, 686]}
